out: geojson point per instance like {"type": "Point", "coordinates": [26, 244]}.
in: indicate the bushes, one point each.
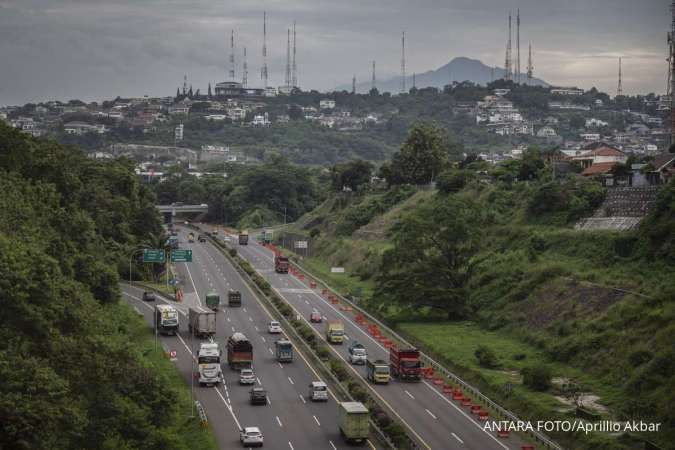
{"type": "Point", "coordinates": [537, 378]}
{"type": "Point", "coordinates": [486, 357]}
{"type": "Point", "coordinates": [233, 252]}
{"type": "Point", "coordinates": [338, 370]}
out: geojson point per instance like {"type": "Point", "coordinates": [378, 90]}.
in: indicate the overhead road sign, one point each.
{"type": "Point", "coordinates": [181, 255]}
{"type": "Point", "coordinates": [151, 255]}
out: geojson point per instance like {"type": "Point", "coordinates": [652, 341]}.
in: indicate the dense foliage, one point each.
{"type": "Point", "coordinates": [71, 376]}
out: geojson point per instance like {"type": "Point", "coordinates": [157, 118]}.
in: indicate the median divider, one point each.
{"type": "Point", "coordinates": [376, 329]}
{"type": "Point", "coordinates": [344, 386]}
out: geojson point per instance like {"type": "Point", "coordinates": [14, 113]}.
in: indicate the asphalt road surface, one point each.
{"type": "Point", "coordinates": [290, 420]}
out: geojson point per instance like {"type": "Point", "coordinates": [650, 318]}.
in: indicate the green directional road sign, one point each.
{"type": "Point", "coordinates": [179, 255]}
{"type": "Point", "coordinates": [151, 255]}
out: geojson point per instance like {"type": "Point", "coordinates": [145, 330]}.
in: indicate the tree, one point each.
{"type": "Point", "coordinates": [351, 174]}
{"type": "Point", "coordinates": [422, 156]}
{"type": "Point", "coordinates": [431, 261]}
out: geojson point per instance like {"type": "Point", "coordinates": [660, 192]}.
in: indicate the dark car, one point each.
{"type": "Point", "coordinates": [258, 396]}
{"type": "Point", "coordinates": [148, 296]}
{"type": "Point", "coordinates": [201, 238]}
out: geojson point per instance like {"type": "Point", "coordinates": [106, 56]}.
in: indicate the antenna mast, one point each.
{"type": "Point", "coordinates": [294, 81]}
{"type": "Point", "coordinates": [232, 56]}
{"type": "Point", "coordinates": [508, 75]}
{"type": "Point", "coordinates": [354, 84]}
{"type": "Point", "coordinates": [287, 77]}
{"type": "Point", "coordinates": [184, 84]}
{"type": "Point", "coordinates": [263, 71]}
{"type": "Point", "coordinates": [619, 88]}
{"type": "Point", "coordinates": [518, 46]}
{"type": "Point", "coordinates": [244, 76]}
{"type": "Point", "coordinates": [530, 67]}
{"type": "Point", "coordinates": [403, 62]}
{"type": "Point", "coordinates": [373, 83]}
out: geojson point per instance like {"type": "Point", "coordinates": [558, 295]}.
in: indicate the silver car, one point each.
{"type": "Point", "coordinates": [246, 376]}
{"type": "Point", "coordinates": [251, 437]}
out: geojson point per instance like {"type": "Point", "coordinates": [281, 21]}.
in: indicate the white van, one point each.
{"type": "Point", "coordinates": [318, 391]}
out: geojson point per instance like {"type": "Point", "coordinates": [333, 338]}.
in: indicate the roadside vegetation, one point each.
{"type": "Point", "coordinates": [487, 273]}
{"type": "Point", "coordinates": [74, 361]}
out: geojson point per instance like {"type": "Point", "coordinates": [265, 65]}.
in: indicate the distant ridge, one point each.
{"type": "Point", "coordinates": [459, 69]}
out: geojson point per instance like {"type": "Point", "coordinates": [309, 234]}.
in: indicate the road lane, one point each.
{"type": "Point", "coordinates": [451, 420]}
{"type": "Point", "coordinates": [286, 384]}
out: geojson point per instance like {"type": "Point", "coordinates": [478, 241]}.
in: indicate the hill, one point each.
{"type": "Point", "coordinates": [457, 70]}
{"type": "Point", "coordinates": [590, 310]}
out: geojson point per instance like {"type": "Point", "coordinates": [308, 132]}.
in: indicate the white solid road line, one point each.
{"type": "Point", "coordinates": [193, 283]}
{"type": "Point", "coordinates": [457, 437]}
{"type": "Point", "coordinates": [278, 421]}
{"type": "Point", "coordinates": [317, 421]}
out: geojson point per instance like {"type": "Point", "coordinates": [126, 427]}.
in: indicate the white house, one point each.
{"type": "Point", "coordinates": [79, 128]}
{"type": "Point", "coordinates": [326, 104]}
{"type": "Point", "coordinates": [595, 123]}
{"type": "Point", "coordinates": [567, 91]}
{"type": "Point", "coordinates": [216, 117]}
{"type": "Point", "coordinates": [546, 132]}
{"type": "Point", "coordinates": [590, 136]}
{"type": "Point", "coordinates": [260, 120]}
{"type": "Point", "coordinates": [179, 109]}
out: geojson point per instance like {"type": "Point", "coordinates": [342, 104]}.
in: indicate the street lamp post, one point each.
{"type": "Point", "coordinates": [131, 257]}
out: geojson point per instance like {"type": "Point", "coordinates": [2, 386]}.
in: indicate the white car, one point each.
{"type": "Point", "coordinates": [246, 376]}
{"type": "Point", "coordinates": [251, 437]}
{"type": "Point", "coordinates": [274, 327]}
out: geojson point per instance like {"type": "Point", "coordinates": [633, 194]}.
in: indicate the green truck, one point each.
{"type": "Point", "coordinates": [353, 420]}
{"type": "Point", "coordinates": [213, 300]}
{"type": "Point", "coordinates": [284, 351]}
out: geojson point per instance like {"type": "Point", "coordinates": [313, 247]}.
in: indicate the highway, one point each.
{"type": "Point", "coordinates": [430, 416]}
{"type": "Point", "coordinates": [289, 421]}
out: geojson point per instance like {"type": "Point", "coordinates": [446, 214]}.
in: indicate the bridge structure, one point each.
{"type": "Point", "coordinates": [170, 211]}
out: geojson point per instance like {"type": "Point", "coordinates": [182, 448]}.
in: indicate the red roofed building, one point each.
{"type": "Point", "coordinates": [663, 169]}
{"type": "Point", "coordinates": [598, 169]}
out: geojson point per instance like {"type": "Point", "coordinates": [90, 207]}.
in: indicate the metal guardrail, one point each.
{"type": "Point", "coordinates": [203, 420]}
{"type": "Point", "coordinates": [335, 382]}
{"type": "Point", "coordinates": [430, 362]}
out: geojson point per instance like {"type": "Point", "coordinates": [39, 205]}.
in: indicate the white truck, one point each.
{"type": "Point", "coordinates": [210, 372]}
{"type": "Point", "coordinates": [166, 319]}
{"type": "Point", "coordinates": [202, 321]}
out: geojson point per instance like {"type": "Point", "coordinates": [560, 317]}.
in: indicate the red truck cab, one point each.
{"type": "Point", "coordinates": [280, 264]}
{"type": "Point", "coordinates": [405, 363]}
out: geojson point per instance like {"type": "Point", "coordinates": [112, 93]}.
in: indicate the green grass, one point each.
{"type": "Point", "coordinates": [189, 430]}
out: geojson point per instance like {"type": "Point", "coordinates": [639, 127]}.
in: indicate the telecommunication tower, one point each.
{"type": "Point", "coordinates": [373, 82]}
{"type": "Point", "coordinates": [619, 87]}
{"type": "Point", "coordinates": [244, 69]}
{"type": "Point", "coordinates": [508, 68]}
{"type": "Point", "coordinates": [530, 67]}
{"type": "Point", "coordinates": [287, 76]}
{"type": "Point", "coordinates": [354, 84]}
{"type": "Point", "coordinates": [403, 62]}
{"type": "Point", "coordinates": [232, 55]}
{"type": "Point", "coordinates": [263, 70]}
{"type": "Point", "coordinates": [294, 81]}
{"type": "Point", "coordinates": [518, 46]}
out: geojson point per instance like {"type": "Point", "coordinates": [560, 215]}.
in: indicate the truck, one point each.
{"type": "Point", "coordinates": [267, 237]}
{"type": "Point", "coordinates": [280, 264]}
{"type": "Point", "coordinates": [284, 350]}
{"type": "Point", "coordinates": [239, 352]}
{"type": "Point", "coordinates": [357, 353]}
{"type": "Point", "coordinates": [213, 300]}
{"type": "Point", "coordinates": [208, 359]}
{"type": "Point", "coordinates": [405, 363]}
{"type": "Point", "coordinates": [243, 237]}
{"type": "Point", "coordinates": [335, 332]}
{"type": "Point", "coordinates": [353, 420]}
{"type": "Point", "coordinates": [377, 371]}
{"type": "Point", "coordinates": [201, 321]}
{"type": "Point", "coordinates": [166, 319]}
{"type": "Point", "coordinates": [233, 298]}
{"type": "Point", "coordinates": [191, 237]}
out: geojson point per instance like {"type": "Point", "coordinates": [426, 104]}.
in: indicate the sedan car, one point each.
{"type": "Point", "coordinates": [274, 327]}
{"type": "Point", "coordinates": [315, 317]}
{"type": "Point", "coordinates": [246, 376]}
{"type": "Point", "coordinates": [258, 396]}
{"type": "Point", "coordinates": [251, 437]}
{"type": "Point", "coordinates": [148, 296]}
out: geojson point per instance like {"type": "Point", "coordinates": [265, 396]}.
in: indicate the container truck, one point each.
{"type": "Point", "coordinates": [243, 237]}
{"type": "Point", "coordinates": [353, 421]}
{"type": "Point", "coordinates": [166, 319]}
{"type": "Point", "coordinates": [405, 363]}
{"type": "Point", "coordinates": [201, 321]}
{"type": "Point", "coordinates": [280, 264]}
{"type": "Point", "coordinates": [335, 332]}
{"type": "Point", "coordinates": [284, 350]}
{"type": "Point", "coordinates": [234, 298]}
{"type": "Point", "coordinates": [213, 300]}
{"type": "Point", "coordinates": [239, 352]}
{"type": "Point", "coordinates": [210, 372]}
{"type": "Point", "coordinates": [377, 371]}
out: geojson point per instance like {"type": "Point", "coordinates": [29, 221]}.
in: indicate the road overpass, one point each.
{"type": "Point", "coordinates": [169, 211]}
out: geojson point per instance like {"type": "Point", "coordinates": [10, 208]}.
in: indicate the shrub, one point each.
{"type": "Point", "coordinates": [486, 357]}
{"type": "Point", "coordinates": [314, 233]}
{"type": "Point", "coordinates": [639, 357]}
{"type": "Point", "coordinates": [339, 370]}
{"type": "Point", "coordinates": [323, 353]}
{"type": "Point", "coordinates": [233, 252]}
{"type": "Point", "coordinates": [537, 378]}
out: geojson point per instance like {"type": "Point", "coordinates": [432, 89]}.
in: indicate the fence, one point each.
{"type": "Point", "coordinates": [437, 367]}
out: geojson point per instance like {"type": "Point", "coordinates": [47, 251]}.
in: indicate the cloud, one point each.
{"type": "Point", "coordinates": [93, 49]}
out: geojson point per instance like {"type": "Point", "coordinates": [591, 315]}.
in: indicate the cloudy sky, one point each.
{"type": "Point", "coordinates": [98, 49]}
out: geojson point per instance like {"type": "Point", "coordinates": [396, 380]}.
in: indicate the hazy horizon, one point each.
{"type": "Point", "coordinates": [67, 49]}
